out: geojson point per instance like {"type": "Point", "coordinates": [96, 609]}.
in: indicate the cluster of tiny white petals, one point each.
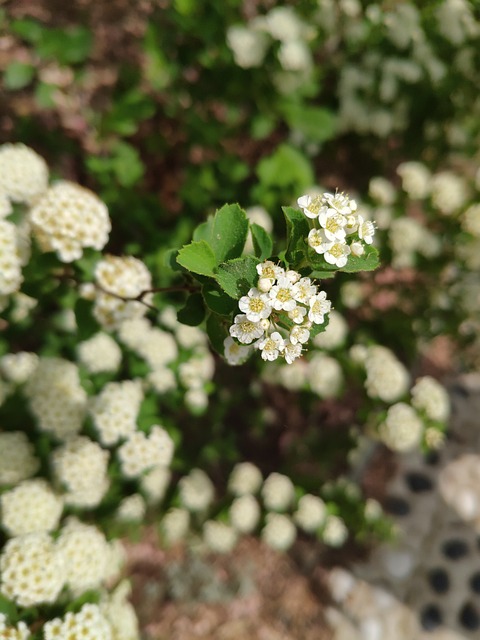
{"type": "Point", "coordinates": [23, 173]}
{"type": "Point", "coordinates": [335, 332]}
{"type": "Point", "coordinates": [339, 229]}
{"type": "Point", "coordinates": [196, 491]}
{"type": "Point", "coordinates": [279, 531]}
{"type": "Point", "coordinates": [154, 484]}
{"type": "Point", "coordinates": [175, 525]}
{"type": "Point", "coordinates": [402, 428]}
{"type": "Point", "coordinates": [311, 513]}
{"type": "Point", "coordinates": [114, 411]}
{"type": "Point", "coordinates": [10, 263]}
{"type": "Point", "coordinates": [449, 192]}
{"type": "Point", "coordinates": [80, 467]}
{"type": "Point", "coordinates": [85, 553]}
{"type": "Point", "coordinates": [8, 632]}
{"type": "Point", "coordinates": [32, 570]}
{"type": "Point", "coordinates": [407, 236]}
{"type": "Point", "coordinates": [382, 190]}
{"type": "Point", "coordinates": [247, 44]}
{"type": "Point", "coordinates": [219, 537]}
{"type": "Point", "coordinates": [334, 532]}
{"type": "Point", "coordinates": [158, 348]}
{"type": "Point", "coordinates": [56, 397]}
{"type": "Point", "coordinates": [131, 509]}
{"type": "Point", "coordinates": [432, 398]}
{"type": "Point", "coordinates": [197, 370]}
{"type": "Point", "coordinates": [88, 624]}
{"type": "Point", "coordinates": [245, 478]}
{"type": "Point", "coordinates": [244, 513]}
{"type": "Point", "coordinates": [120, 613]}
{"type": "Point", "coordinates": [416, 179]}
{"type": "Point", "coordinates": [141, 452]}
{"type": "Point", "coordinates": [387, 377]}
{"type": "Point", "coordinates": [99, 354]}
{"type": "Point", "coordinates": [5, 205]}
{"type": "Point", "coordinates": [31, 506]}
{"type": "Point", "coordinates": [278, 492]}
{"type": "Point", "coordinates": [281, 298]}
{"type": "Point", "coordinates": [325, 376]}
{"type": "Point", "coordinates": [471, 220]}
{"type": "Point", "coordinates": [126, 278]}
{"type": "Point", "coordinates": [18, 367]}
{"type": "Point", "coordinates": [17, 457]}
{"type": "Point", "coordinates": [68, 219]}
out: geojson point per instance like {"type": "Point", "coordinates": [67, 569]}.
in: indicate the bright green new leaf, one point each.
{"type": "Point", "coordinates": [237, 276]}
{"type": "Point", "coordinates": [317, 124]}
{"type": "Point", "coordinates": [262, 242]}
{"type": "Point", "coordinates": [368, 262]}
{"type": "Point", "coordinates": [18, 75]}
{"type": "Point", "coordinates": [229, 232]}
{"type": "Point", "coordinates": [204, 230]}
{"type": "Point", "coordinates": [197, 257]}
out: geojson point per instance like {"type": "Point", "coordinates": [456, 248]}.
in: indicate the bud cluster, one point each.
{"type": "Point", "coordinates": [277, 315]}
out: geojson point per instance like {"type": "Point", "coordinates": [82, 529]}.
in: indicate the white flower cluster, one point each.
{"type": "Point", "coordinates": [114, 411]}
{"type": "Point", "coordinates": [282, 298]}
{"type": "Point", "coordinates": [175, 525]}
{"type": "Point", "coordinates": [431, 398]}
{"type": "Point", "coordinates": [56, 397]}
{"type": "Point", "coordinates": [80, 467]}
{"type": "Point", "coordinates": [219, 537]}
{"type": "Point", "coordinates": [18, 367]}
{"type": "Point", "coordinates": [402, 428]}
{"type": "Point", "coordinates": [408, 236]}
{"type": "Point", "coordinates": [387, 378]}
{"type": "Point", "coordinates": [196, 491]}
{"type": "Point", "coordinates": [471, 220]}
{"type": "Point", "coordinates": [31, 506]}
{"type": "Point", "coordinates": [140, 452]}
{"type": "Point", "coordinates": [154, 484]}
{"type": "Point", "coordinates": [18, 632]}
{"type": "Point", "coordinates": [278, 492]}
{"type": "Point", "coordinates": [88, 624]}
{"type": "Point", "coordinates": [131, 509]}
{"type": "Point", "coordinates": [10, 263]}
{"type": "Point", "coordinates": [69, 218]}
{"type": "Point", "coordinates": [120, 613]}
{"type": "Point", "coordinates": [99, 354]}
{"type": "Point", "coordinates": [17, 458]}
{"type": "Point", "coordinates": [23, 173]}
{"type": "Point", "coordinates": [338, 220]}
{"type": "Point", "coordinates": [119, 280]}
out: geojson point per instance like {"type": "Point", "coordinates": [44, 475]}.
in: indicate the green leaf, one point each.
{"type": "Point", "coordinates": [197, 257]}
{"type": "Point", "coordinates": [321, 275]}
{"type": "Point", "coordinates": [319, 328]}
{"type": "Point", "coordinates": [217, 331]}
{"type": "Point", "coordinates": [229, 232]}
{"type": "Point", "coordinates": [318, 263]}
{"type": "Point", "coordinates": [368, 262]}
{"type": "Point", "coordinates": [217, 300]}
{"type": "Point", "coordinates": [286, 167]}
{"type": "Point", "coordinates": [262, 242]}
{"type": "Point", "coordinates": [86, 323]}
{"type": "Point", "coordinates": [315, 123]}
{"type": "Point", "coordinates": [237, 276]}
{"type": "Point", "coordinates": [18, 75]}
{"type": "Point", "coordinates": [8, 608]}
{"type": "Point", "coordinates": [29, 30]}
{"type": "Point", "coordinates": [193, 313]}
{"type": "Point", "coordinates": [126, 164]}
{"type": "Point", "coordinates": [44, 95]}
{"type": "Point", "coordinates": [204, 230]}
{"type": "Point", "coordinates": [297, 232]}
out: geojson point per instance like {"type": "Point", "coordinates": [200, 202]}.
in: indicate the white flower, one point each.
{"type": "Point", "coordinates": [357, 249]}
{"type": "Point", "coordinates": [298, 314]}
{"type": "Point", "coordinates": [318, 241]}
{"type": "Point", "coordinates": [402, 429]}
{"type": "Point", "coordinates": [335, 532]}
{"type": "Point", "coordinates": [335, 333]}
{"type": "Point", "coordinates": [278, 492]}
{"type": "Point", "coordinates": [428, 395]}
{"type": "Point", "coordinates": [235, 353]}
{"type": "Point", "coordinates": [292, 351]}
{"type": "Point", "coordinates": [311, 207]}
{"type": "Point", "coordinates": [366, 230]}
{"type": "Point", "coordinates": [255, 305]}
{"type": "Point", "coordinates": [281, 295]}
{"type": "Point", "coordinates": [245, 330]}
{"type": "Point", "coordinates": [319, 306]}
{"type": "Point", "coordinates": [340, 202]}
{"type": "Point", "coordinates": [311, 513]}
{"type": "Point", "coordinates": [270, 270]}
{"type": "Point", "coordinates": [295, 56]}
{"type": "Point", "coordinates": [247, 45]}
{"type": "Point", "coordinates": [279, 532]}
{"type": "Point", "coordinates": [245, 513]}
{"type": "Point", "coordinates": [303, 290]}
{"type": "Point", "coordinates": [245, 478]}
{"type": "Point", "coordinates": [333, 224]}
{"type": "Point", "coordinates": [337, 253]}
{"type": "Point", "coordinates": [299, 334]}
{"type": "Point", "coordinates": [271, 346]}
{"type": "Point", "coordinates": [219, 537]}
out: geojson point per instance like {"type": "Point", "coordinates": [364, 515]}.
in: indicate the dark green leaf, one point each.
{"type": "Point", "coordinates": [319, 328]}
{"type": "Point", "coordinates": [217, 330]}
{"type": "Point", "coordinates": [127, 164]}
{"type": "Point", "coordinates": [297, 232]}
{"type": "Point", "coordinates": [229, 232]}
{"type": "Point", "coordinates": [237, 276]}
{"type": "Point", "coordinates": [204, 230]}
{"type": "Point", "coordinates": [217, 300]}
{"type": "Point", "coordinates": [8, 608]}
{"type": "Point", "coordinates": [86, 323]}
{"type": "Point", "coordinates": [321, 275]}
{"type": "Point", "coordinates": [18, 75]}
{"type": "Point", "coordinates": [193, 313]}
{"type": "Point", "coordinates": [368, 262]}
{"type": "Point", "coordinates": [262, 242]}
{"type": "Point", "coordinates": [197, 257]}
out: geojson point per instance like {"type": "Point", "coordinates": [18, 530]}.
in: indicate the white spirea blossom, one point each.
{"type": "Point", "coordinates": [99, 354]}
{"type": "Point", "coordinates": [335, 333]}
{"type": "Point", "coordinates": [402, 428]}
{"type": "Point", "coordinates": [416, 179]}
{"type": "Point", "coordinates": [352, 294]}
{"type": "Point", "coordinates": [32, 571]}
{"type": "Point", "coordinates": [10, 264]}
{"type": "Point", "coordinates": [88, 624]}
{"type": "Point", "coordinates": [196, 400]}
{"type": "Point", "coordinates": [80, 466]}
{"type": "Point", "coordinates": [23, 173]}
{"type": "Point", "coordinates": [120, 613]}
{"type": "Point", "coordinates": [284, 24]}
{"type": "Point", "coordinates": [279, 531]}
{"type": "Point", "coordinates": [198, 370]}
{"type": "Point", "coordinates": [161, 380]}
{"type": "Point", "coordinates": [294, 55]}
{"type": "Point", "coordinates": [382, 190]}
{"type": "Point", "coordinates": [456, 21]}
{"type": "Point", "coordinates": [235, 354]}
{"type": "Point", "coordinates": [175, 525]}
{"type": "Point", "coordinates": [114, 411]}
{"type": "Point", "coordinates": [324, 376]}
{"type": "Point", "coordinates": [248, 45]}
{"type": "Point", "coordinates": [5, 205]}
{"type": "Point", "coordinates": [85, 553]}
{"type": "Point", "coordinates": [335, 532]}
{"type": "Point", "coordinates": [68, 219]}
{"type": "Point", "coordinates": [449, 192]}
{"type": "Point", "coordinates": [311, 513]}
{"type": "Point", "coordinates": [56, 397]}
{"type": "Point", "coordinates": [278, 492]}
{"type": "Point", "coordinates": [245, 478]}
{"type": "Point", "coordinates": [387, 378]}
{"type": "Point", "coordinates": [196, 491]}
{"type": "Point", "coordinates": [17, 458]}
{"type": "Point", "coordinates": [141, 452]}
{"type": "Point", "coordinates": [430, 396]}
{"type": "Point", "coordinates": [18, 367]}
{"type": "Point", "coordinates": [219, 537]}
{"type": "Point", "coordinates": [154, 484]}
{"type": "Point", "coordinates": [244, 513]}
{"type": "Point", "coordinates": [190, 337]}
{"type": "Point", "coordinates": [8, 632]}
{"type": "Point", "coordinates": [471, 220]}
{"type": "Point", "coordinates": [126, 278]}
{"type": "Point", "coordinates": [31, 506]}
{"type": "Point", "coordinates": [131, 509]}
